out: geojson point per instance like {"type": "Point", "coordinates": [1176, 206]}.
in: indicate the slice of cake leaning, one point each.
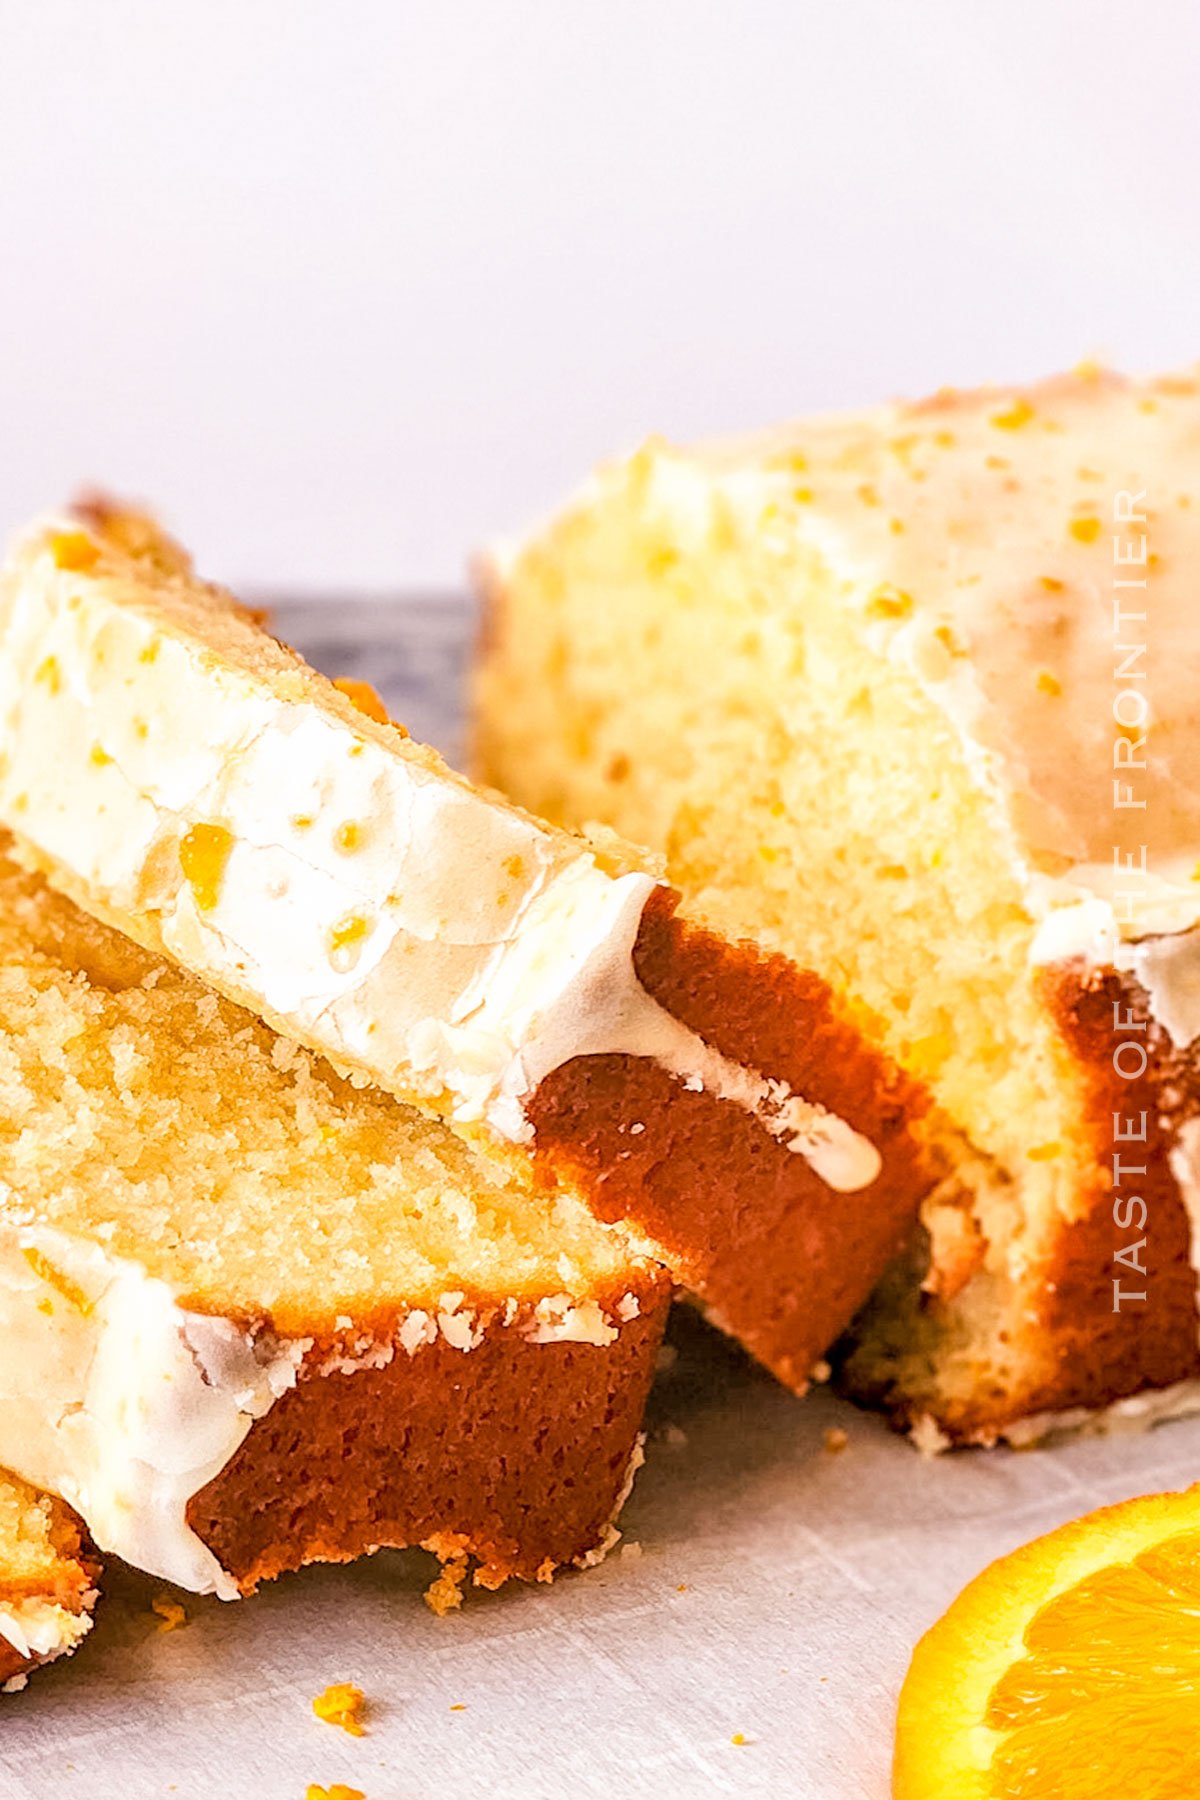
{"type": "Point", "coordinates": [253, 1317]}
{"type": "Point", "coordinates": [48, 1581]}
{"type": "Point", "coordinates": [911, 696]}
{"type": "Point", "coordinates": [188, 779]}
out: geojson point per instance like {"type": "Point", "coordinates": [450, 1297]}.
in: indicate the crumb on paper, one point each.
{"type": "Point", "coordinates": [339, 1791]}
{"type": "Point", "coordinates": [739, 1737]}
{"type": "Point", "coordinates": [821, 1371]}
{"type": "Point", "coordinates": [927, 1436]}
{"type": "Point", "coordinates": [682, 1588]}
{"type": "Point", "coordinates": [459, 1706]}
{"type": "Point", "coordinates": [445, 1594]}
{"type": "Point", "coordinates": [675, 1437]}
{"type": "Point", "coordinates": [342, 1704]}
{"type": "Point", "coordinates": [836, 1439]}
{"type": "Point", "coordinates": [169, 1612]}
{"type": "Point", "coordinates": [631, 1550]}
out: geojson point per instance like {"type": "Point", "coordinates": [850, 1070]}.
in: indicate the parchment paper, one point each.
{"type": "Point", "coordinates": [767, 1588]}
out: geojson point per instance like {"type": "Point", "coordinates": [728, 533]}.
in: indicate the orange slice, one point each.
{"type": "Point", "coordinates": [1069, 1670]}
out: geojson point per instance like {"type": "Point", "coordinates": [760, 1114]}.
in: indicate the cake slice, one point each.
{"type": "Point", "coordinates": [47, 1582]}
{"type": "Point", "coordinates": [188, 779]}
{"type": "Point", "coordinates": [253, 1317]}
{"type": "Point", "coordinates": [910, 696]}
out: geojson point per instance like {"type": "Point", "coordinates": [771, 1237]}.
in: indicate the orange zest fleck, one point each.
{"type": "Point", "coordinates": [1012, 417]}
{"type": "Point", "coordinates": [363, 696]}
{"type": "Point", "coordinates": [74, 550]}
{"type": "Point", "coordinates": [54, 1277]}
{"type": "Point", "coordinates": [203, 853]}
{"type": "Point", "coordinates": [887, 602]}
{"type": "Point", "coordinates": [348, 931]}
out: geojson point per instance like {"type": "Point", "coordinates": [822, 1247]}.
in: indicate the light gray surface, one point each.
{"type": "Point", "coordinates": [776, 1592]}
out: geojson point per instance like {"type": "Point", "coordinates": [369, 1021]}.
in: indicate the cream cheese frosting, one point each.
{"type": "Point", "coordinates": [1030, 558]}
{"type": "Point", "coordinates": [119, 1401]}
{"type": "Point", "coordinates": [358, 896]}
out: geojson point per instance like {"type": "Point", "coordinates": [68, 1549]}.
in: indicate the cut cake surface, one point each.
{"type": "Point", "coordinates": [255, 1317]}
{"type": "Point", "coordinates": [183, 776]}
{"type": "Point", "coordinates": [910, 696]}
{"type": "Point", "coordinates": [48, 1581]}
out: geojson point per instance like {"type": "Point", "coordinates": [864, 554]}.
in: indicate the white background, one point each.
{"type": "Point", "coordinates": [347, 288]}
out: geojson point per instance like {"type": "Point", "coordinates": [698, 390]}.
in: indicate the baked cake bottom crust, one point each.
{"type": "Point", "coordinates": [516, 1455]}
{"type": "Point", "coordinates": [777, 1257]}
{"type": "Point", "coordinates": [1106, 1311]}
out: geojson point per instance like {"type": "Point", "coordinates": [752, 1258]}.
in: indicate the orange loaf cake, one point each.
{"type": "Point", "coordinates": [252, 1317]}
{"type": "Point", "coordinates": [47, 1581]}
{"type": "Point", "coordinates": [910, 695]}
{"type": "Point", "coordinates": [186, 778]}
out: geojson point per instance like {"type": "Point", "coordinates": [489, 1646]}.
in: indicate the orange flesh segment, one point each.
{"type": "Point", "coordinates": [1106, 1700]}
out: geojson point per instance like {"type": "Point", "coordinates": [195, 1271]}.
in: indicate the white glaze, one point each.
{"type": "Point", "coordinates": [1004, 616]}
{"type": "Point", "coordinates": [423, 935]}
{"type": "Point", "coordinates": [120, 1402]}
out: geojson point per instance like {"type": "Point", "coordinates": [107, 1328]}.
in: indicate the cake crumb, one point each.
{"type": "Point", "coordinates": [171, 1615]}
{"type": "Point", "coordinates": [445, 1594]}
{"type": "Point", "coordinates": [339, 1791]}
{"type": "Point", "coordinates": [927, 1436]}
{"type": "Point", "coordinates": [821, 1371]}
{"type": "Point", "coordinates": [342, 1704]}
{"type": "Point", "coordinates": [836, 1439]}
{"type": "Point", "coordinates": [458, 1706]}
{"type": "Point", "coordinates": [739, 1737]}
{"type": "Point", "coordinates": [675, 1437]}
{"type": "Point", "coordinates": [631, 1551]}
{"type": "Point", "coordinates": [682, 1588]}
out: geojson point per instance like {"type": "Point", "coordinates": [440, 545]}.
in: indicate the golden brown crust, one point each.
{"type": "Point", "coordinates": [782, 1259]}
{"type": "Point", "coordinates": [1103, 1353]}
{"type": "Point", "coordinates": [1096, 1352]}
{"type": "Point", "coordinates": [515, 1454]}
